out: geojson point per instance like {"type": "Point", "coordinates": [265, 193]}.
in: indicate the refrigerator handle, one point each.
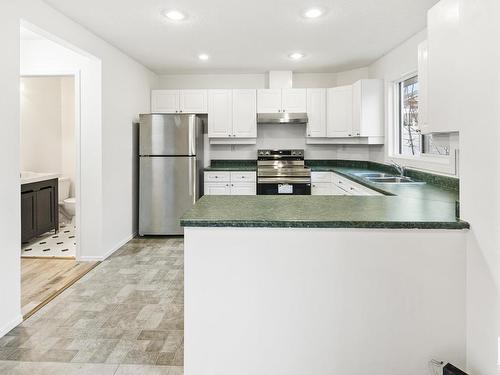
{"type": "Point", "coordinates": [192, 135]}
{"type": "Point", "coordinates": [192, 179]}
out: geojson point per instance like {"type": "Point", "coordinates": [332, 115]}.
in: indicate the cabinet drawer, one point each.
{"type": "Point", "coordinates": [217, 176]}
{"type": "Point", "coordinates": [321, 176]}
{"type": "Point", "coordinates": [322, 188]}
{"type": "Point", "coordinates": [243, 188]}
{"type": "Point", "coordinates": [243, 176]}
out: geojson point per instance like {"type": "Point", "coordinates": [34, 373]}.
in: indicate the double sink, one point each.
{"type": "Point", "coordinates": [385, 178]}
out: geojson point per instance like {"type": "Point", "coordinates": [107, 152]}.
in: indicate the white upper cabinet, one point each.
{"type": "Point", "coordinates": [293, 100]}
{"type": "Point", "coordinates": [245, 113]}
{"type": "Point", "coordinates": [165, 101]}
{"type": "Point", "coordinates": [179, 101]}
{"type": "Point", "coordinates": [281, 100]}
{"type": "Point", "coordinates": [316, 112]}
{"type": "Point", "coordinates": [220, 113]}
{"type": "Point", "coordinates": [340, 112]}
{"type": "Point", "coordinates": [445, 48]}
{"type": "Point", "coordinates": [193, 101]}
{"type": "Point", "coordinates": [423, 87]}
{"type": "Point", "coordinates": [232, 114]}
{"type": "Point", "coordinates": [269, 100]}
{"type": "Point", "coordinates": [368, 108]}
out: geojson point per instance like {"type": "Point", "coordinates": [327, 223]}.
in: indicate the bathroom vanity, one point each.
{"type": "Point", "coordinates": [39, 208]}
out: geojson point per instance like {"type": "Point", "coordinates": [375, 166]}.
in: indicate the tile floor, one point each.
{"type": "Point", "coordinates": [50, 244]}
{"type": "Point", "coordinates": [126, 316]}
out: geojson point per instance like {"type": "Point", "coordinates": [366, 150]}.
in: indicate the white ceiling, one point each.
{"type": "Point", "coordinates": [251, 36]}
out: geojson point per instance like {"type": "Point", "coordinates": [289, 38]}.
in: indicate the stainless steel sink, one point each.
{"type": "Point", "coordinates": [373, 174]}
{"type": "Point", "coordinates": [393, 180]}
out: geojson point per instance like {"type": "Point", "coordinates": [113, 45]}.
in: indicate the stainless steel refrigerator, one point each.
{"type": "Point", "coordinates": [170, 170]}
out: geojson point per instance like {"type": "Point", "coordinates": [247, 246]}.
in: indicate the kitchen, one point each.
{"type": "Point", "coordinates": [317, 170]}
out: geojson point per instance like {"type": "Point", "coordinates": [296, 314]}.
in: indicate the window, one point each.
{"type": "Point", "coordinates": [410, 142]}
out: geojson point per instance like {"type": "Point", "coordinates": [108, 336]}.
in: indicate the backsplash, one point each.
{"type": "Point", "coordinates": [444, 182]}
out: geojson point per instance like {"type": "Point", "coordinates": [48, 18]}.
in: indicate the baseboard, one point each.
{"type": "Point", "coordinates": [110, 252]}
{"type": "Point", "coordinates": [8, 327]}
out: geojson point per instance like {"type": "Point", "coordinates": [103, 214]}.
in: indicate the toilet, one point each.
{"type": "Point", "coordinates": [66, 203]}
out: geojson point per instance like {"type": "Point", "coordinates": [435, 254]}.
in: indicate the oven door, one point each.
{"type": "Point", "coordinates": [279, 186]}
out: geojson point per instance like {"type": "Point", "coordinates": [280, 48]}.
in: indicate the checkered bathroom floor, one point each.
{"type": "Point", "coordinates": [60, 245]}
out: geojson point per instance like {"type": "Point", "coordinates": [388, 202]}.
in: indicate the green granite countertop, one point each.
{"type": "Point", "coordinates": [427, 206]}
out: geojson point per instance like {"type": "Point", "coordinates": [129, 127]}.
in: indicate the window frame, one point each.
{"type": "Point", "coordinates": [437, 163]}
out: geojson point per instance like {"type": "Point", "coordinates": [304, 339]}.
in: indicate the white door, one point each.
{"type": "Point", "coordinates": [164, 101]}
{"type": "Point", "coordinates": [245, 113]}
{"type": "Point", "coordinates": [339, 112]}
{"type": "Point", "coordinates": [294, 100]}
{"type": "Point", "coordinates": [316, 112]}
{"type": "Point", "coordinates": [220, 113]}
{"type": "Point", "coordinates": [193, 101]}
{"type": "Point", "coordinates": [269, 100]}
{"type": "Point", "coordinates": [243, 188]}
{"type": "Point", "coordinates": [217, 188]}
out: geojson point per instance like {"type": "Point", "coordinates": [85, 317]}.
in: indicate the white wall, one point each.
{"type": "Point", "coordinates": [41, 130]}
{"type": "Point", "coordinates": [125, 93]}
{"type": "Point", "coordinates": [257, 81]}
{"type": "Point", "coordinates": [48, 125]}
{"type": "Point", "coordinates": [479, 124]}
{"type": "Point", "coordinates": [326, 301]}
{"type": "Point", "coordinates": [395, 64]}
{"type": "Point", "coordinates": [68, 152]}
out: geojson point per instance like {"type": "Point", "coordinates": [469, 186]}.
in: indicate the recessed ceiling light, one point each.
{"type": "Point", "coordinates": [313, 13]}
{"type": "Point", "coordinates": [203, 57]}
{"type": "Point", "coordinates": [296, 56]}
{"type": "Point", "coordinates": [174, 15]}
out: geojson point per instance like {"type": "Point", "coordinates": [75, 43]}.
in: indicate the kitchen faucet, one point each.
{"type": "Point", "coordinates": [400, 168]}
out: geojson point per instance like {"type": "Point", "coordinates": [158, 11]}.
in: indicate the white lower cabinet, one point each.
{"type": "Point", "coordinates": [230, 183]}
{"type": "Point", "coordinates": [329, 183]}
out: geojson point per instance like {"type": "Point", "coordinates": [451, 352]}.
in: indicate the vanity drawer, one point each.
{"type": "Point", "coordinates": [217, 176]}
{"type": "Point", "coordinates": [243, 176]}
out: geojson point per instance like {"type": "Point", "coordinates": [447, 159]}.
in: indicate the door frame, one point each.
{"type": "Point", "coordinates": [77, 120]}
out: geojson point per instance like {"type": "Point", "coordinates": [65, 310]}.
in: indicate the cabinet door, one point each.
{"type": "Point", "coordinates": [294, 100]}
{"type": "Point", "coordinates": [44, 211]}
{"type": "Point", "coordinates": [339, 112]}
{"type": "Point", "coordinates": [368, 108]}
{"type": "Point", "coordinates": [245, 113]}
{"type": "Point", "coordinates": [446, 49]}
{"type": "Point", "coordinates": [322, 188]}
{"type": "Point", "coordinates": [423, 87]}
{"type": "Point", "coordinates": [193, 101]}
{"type": "Point", "coordinates": [28, 219]}
{"type": "Point", "coordinates": [243, 188]}
{"type": "Point", "coordinates": [217, 188]}
{"type": "Point", "coordinates": [165, 101]}
{"type": "Point", "coordinates": [316, 112]}
{"type": "Point", "coordinates": [269, 100]}
{"type": "Point", "coordinates": [220, 113]}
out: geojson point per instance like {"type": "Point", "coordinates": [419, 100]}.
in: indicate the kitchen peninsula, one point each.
{"type": "Point", "coordinates": [322, 280]}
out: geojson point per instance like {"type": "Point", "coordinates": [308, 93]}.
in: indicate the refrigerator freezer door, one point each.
{"type": "Point", "coordinates": [167, 135]}
{"type": "Point", "coordinates": [168, 188]}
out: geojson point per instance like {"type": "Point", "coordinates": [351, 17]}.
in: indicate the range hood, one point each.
{"type": "Point", "coordinates": [282, 118]}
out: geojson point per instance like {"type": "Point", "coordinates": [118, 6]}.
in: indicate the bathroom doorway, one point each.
{"type": "Point", "coordinates": [50, 168]}
{"type": "Point", "coordinates": [48, 158]}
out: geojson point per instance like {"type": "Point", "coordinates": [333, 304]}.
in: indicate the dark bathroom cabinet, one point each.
{"type": "Point", "coordinates": [39, 208]}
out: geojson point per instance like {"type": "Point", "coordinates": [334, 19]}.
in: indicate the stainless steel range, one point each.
{"type": "Point", "coordinates": [282, 172]}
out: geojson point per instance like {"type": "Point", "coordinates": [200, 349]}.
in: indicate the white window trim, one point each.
{"type": "Point", "coordinates": [445, 164]}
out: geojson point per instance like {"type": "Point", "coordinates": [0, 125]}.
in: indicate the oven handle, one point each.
{"type": "Point", "coordinates": [284, 180]}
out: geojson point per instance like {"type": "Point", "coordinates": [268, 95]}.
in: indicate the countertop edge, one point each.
{"type": "Point", "coordinates": [458, 225]}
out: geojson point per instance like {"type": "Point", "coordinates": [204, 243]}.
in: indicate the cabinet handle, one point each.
{"type": "Point", "coordinates": [357, 133]}
{"type": "Point", "coordinates": [350, 135]}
